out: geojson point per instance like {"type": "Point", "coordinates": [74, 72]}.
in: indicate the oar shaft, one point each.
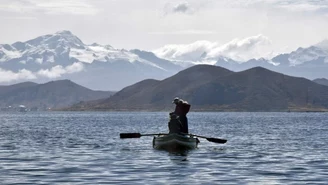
{"type": "Point", "coordinates": [137, 135]}
{"type": "Point", "coordinates": [211, 139]}
{"type": "Point", "coordinates": [130, 135]}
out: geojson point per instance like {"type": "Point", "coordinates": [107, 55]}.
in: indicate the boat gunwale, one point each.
{"type": "Point", "coordinates": [175, 140]}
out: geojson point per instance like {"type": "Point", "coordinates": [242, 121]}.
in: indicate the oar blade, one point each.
{"type": "Point", "coordinates": [216, 140]}
{"type": "Point", "coordinates": [129, 135]}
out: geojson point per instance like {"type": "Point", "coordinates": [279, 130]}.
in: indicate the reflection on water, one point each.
{"type": "Point", "coordinates": [179, 157]}
{"type": "Point", "coordinates": [85, 148]}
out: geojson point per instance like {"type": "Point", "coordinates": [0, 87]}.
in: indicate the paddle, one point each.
{"type": "Point", "coordinates": [136, 135]}
{"type": "Point", "coordinates": [211, 139]}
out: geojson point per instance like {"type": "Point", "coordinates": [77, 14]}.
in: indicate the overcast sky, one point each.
{"type": "Point", "coordinates": [281, 25]}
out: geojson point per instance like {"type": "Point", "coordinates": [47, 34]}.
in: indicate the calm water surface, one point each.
{"type": "Point", "coordinates": [84, 148]}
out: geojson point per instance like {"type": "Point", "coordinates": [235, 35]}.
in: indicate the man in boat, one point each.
{"type": "Point", "coordinates": [181, 109]}
{"type": "Point", "coordinates": [174, 124]}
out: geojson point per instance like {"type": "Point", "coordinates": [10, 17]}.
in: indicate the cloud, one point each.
{"type": "Point", "coordinates": [59, 70]}
{"type": "Point", "coordinates": [237, 49]}
{"type": "Point", "coordinates": [290, 5]}
{"type": "Point", "coordinates": [180, 7]}
{"type": "Point", "coordinates": [75, 67]}
{"type": "Point", "coordinates": [184, 32]}
{"type": "Point", "coordinates": [303, 6]}
{"type": "Point", "coordinates": [55, 72]}
{"type": "Point", "coordinates": [242, 49]}
{"type": "Point", "coordinates": [78, 7]}
{"type": "Point", "coordinates": [189, 52]}
{"type": "Point", "coordinates": [8, 76]}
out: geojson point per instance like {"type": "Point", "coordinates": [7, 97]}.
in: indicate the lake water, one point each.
{"type": "Point", "coordinates": [85, 148]}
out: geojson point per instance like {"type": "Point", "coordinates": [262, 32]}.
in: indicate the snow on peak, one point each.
{"type": "Point", "coordinates": [97, 52]}
{"type": "Point", "coordinates": [64, 47]}
{"type": "Point", "coordinates": [60, 38]}
{"type": "Point", "coordinates": [323, 44]}
{"type": "Point", "coordinates": [302, 55]}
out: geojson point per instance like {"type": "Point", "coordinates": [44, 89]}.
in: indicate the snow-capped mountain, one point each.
{"type": "Point", "coordinates": [64, 55]}
{"type": "Point", "coordinates": [323, 44]}
{"type": "Point", "coordinates": [310, 62]}
{"type": "Point", "coordinates": [304, 55]}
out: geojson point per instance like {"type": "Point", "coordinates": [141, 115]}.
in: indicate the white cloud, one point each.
{"type": "Point", "coordinates": [302, 7]}
{"type": "Point", "coordinates": [74, 68]}
{"type": "Point", "coordinates": [54, 72]}
{"type": "Point", "coordinates": [59, 70]}
{"type": "Point", "coordinates": [184, 32]}
{"type": "Point", "coordinates": [243, 49]}
{"type": "Point", "coordinates": [237, 49]}
{"type": "Point", "coordinates": [286, 22]}
{"type": "Point", "coordinates": [8, 76]}
{"type": "Point", "coordinates": [290, 5]}
{"type": "Point", "coordinates": [78, 7]}
{"type": "Point", "coordinates": [189, 52]}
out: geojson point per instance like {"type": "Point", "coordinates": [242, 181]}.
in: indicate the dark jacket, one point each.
{"type": "Point", "coordinates": [175, 126]}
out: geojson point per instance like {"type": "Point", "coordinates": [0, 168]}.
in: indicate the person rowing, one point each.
{"type": "Point", "coordinates": [181, 110]}
{"type": "Point", "coordinates": [175, 126]}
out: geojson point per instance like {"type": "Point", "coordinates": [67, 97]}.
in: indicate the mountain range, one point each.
{"type": "Point", "coordinates": [63, 55]}
{"type": "Point", "coordinates": [51, 95]}
{"type": "Point", "coordinates": [213, 88]}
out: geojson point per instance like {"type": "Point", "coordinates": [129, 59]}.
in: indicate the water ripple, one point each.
{"type": "Point", "coordinates": [84, 148]}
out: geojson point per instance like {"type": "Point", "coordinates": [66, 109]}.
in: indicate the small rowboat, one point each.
{"type": "Point", "coordinates": [175, 142]}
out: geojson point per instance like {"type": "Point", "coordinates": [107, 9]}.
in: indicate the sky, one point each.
{"type": "Point", "coordinates": [268, 27]}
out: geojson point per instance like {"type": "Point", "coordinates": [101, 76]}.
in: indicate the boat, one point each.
{"type": "Point", "coordinates": [175, 142]}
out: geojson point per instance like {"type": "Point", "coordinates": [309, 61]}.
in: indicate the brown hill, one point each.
{"type": "Point", "coordinates": [210, 88]}
{"type": "Point", "coordinates": [54, 94]}
{"type": "Point", "coordinates": [9, 88]}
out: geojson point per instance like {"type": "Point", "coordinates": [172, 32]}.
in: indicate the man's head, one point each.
{"type": "Point", "coordinates": [173, 116]}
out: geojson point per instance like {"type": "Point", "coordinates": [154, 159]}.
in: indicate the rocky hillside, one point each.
{"type": "Point", "coordinates": [54, 94]}
{"type": "Point", "coordinates": [212, 88]}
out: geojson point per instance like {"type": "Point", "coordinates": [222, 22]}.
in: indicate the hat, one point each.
{"type": "Point", "coordinates": [176, 100]}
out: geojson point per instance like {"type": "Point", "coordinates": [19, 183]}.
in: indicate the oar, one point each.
{"type": "Point", "coordinates": [136, 135]}
{"type": "Point", "coordinates": [211, 139]}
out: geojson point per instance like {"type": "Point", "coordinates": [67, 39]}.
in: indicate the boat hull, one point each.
{"type": "Point", "coordinates": [175, 142]}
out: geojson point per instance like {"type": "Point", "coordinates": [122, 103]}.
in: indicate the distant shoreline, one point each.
{"type": "Point", "coordinates": [133, 110]}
